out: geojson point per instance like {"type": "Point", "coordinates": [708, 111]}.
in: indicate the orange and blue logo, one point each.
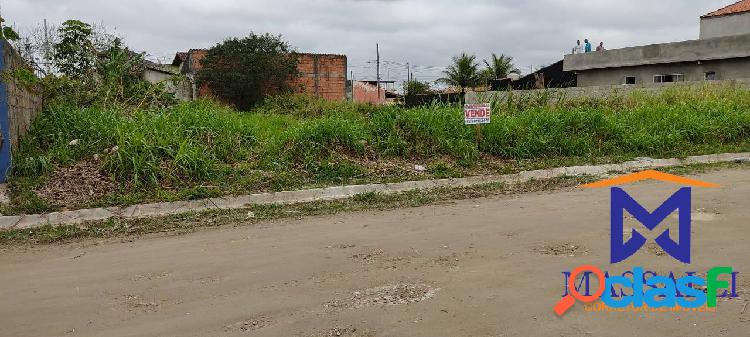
{"type": "Point", "coordinates": [648, 288]}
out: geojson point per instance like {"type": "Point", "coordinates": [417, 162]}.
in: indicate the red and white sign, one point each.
{"type": "Point", "coordinates": [477, 114]}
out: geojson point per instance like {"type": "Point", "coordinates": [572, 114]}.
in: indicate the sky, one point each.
{"type": "Point", "coordinates": [424, 33]}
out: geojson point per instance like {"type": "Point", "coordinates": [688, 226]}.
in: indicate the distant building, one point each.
{"type": "Point", "coordinates": [168, 75]}
{"type": "Point", "coordinates": [551, 76]}
{"type": "Point", "coordinates": [721, 53]}
{"type": "Point", "coordinates": [731, 20]}
{"type": "Point", "coordinates": [320, 75]}
{"type": "Point", "coordinates": [367, 92]}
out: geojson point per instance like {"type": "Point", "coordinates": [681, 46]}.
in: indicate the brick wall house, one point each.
{"type": "Point", "coordinates": [320, 75]}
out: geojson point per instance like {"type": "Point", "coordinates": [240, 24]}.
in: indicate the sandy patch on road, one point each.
{"type": "Point", "coordinates": [397, 294]}
{"type": "Point", "coordinates": [570, 249]}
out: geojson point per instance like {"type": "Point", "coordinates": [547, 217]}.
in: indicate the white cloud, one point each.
{"type": "Point", "coordinates": [426, 33]}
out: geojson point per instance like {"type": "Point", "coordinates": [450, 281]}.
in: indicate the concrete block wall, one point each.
{"type": "Point", "coordinates": [321, 75]}
{"type": "Point", "coordinates": [718, 48]}
{"type": "Point", "coordinates": [725, 25]}
{"type": "Point", "coordinates": [595, 91]}
{"type": "Point", "coordinates": [18, 108]}
{"type": "Point", "coordinates": [729, 69]}
{"type": "Point", "coordinates": [182, 89]}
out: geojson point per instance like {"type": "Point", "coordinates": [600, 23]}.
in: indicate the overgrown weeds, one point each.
{"type": "Point", "coordinates": [203, 148]}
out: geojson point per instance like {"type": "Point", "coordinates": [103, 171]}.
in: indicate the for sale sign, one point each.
{"type": "Point", "coordinates": [477, 114]}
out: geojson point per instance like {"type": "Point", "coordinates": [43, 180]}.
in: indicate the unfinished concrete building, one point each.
{"type": "Point", "coordinates": [721, 53]}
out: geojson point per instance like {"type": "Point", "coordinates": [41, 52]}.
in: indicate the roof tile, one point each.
{"type": "Point", "coordinates": [738, 7]}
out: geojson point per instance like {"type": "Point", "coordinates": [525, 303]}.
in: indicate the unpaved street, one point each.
{"type": "Point", "coordinates": [486, 267]}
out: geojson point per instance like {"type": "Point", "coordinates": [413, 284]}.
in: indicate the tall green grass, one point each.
{"type": "Point", "coordinates": [181, 144]}
{"type": "Point", "coordinates": [201, 142]}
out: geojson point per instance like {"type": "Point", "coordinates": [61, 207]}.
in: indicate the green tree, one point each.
{"type": "Point", "coordinates": [120, 78]}
{"type": "Point", "coordinates": [243, 71]}
{"type": "Point", "coordinates": [415, 87]}
{"type": "Point", "coordinates": [463, 73]}
{"type": "Point", "coordinates": [8, 33]}
{"type": "Point", "coordinates": [75, 55]}
{"type": "Point", "coordinates": [499, 67]}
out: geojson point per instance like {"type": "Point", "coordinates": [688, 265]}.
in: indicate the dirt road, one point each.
{"type": "Point", "coordinates": [487, 267]}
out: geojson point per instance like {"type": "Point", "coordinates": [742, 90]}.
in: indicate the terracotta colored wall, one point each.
{"type": "Point", "coordinates": [195, 57]}
{"type": "Point", "coordinates": [193, 65]}
{"type": "Point", "coordinates": [367, 93]}
{"type": "Point", "coordinates": [321, 75]}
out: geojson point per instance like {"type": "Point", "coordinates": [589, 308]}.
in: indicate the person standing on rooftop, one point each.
{"type": "Point", "coordinates": [588, 45]}
{"type": "Point", "coordinates": [578, 49]}
{"type": "Point", "coordinates": [600, 47]}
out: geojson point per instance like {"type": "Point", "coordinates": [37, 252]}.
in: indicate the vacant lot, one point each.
{"type": "Point", "coordinates": [77, 157]}
{"type": "Point", "coordinates": [483, 267]}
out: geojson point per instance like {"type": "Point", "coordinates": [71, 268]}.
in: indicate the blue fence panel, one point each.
{"type": "Point", "coordinates": [5, 151]}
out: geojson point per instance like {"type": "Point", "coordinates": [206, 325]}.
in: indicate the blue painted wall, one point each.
{"type": "Point", "coordinates": [5, 155]}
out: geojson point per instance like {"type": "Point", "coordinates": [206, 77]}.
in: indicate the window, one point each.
{"type": "Point", "coordinates": [711, 76]}
{"type": "Point", "coordinates": [669, 78]}
{"type": "Point", "coordinates": [629, 79]}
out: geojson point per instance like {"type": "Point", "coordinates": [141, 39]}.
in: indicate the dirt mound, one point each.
{"type": "Point", "coordinates": [255, 323]}
{"type": "Point", "coordinates": [398, 294]}
{"type": "Point", "coordinates": [77, 184]}
{"type": "Point", "coordinates": [369, 257]}
{"type": "Point", "coordinates": [561, 249]}
{"type": "Point", "coordinates": [344, 332]}
{"type": "Point", "coordinates": [380, 259]}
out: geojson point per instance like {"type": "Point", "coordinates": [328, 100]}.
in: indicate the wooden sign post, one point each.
{"type": "Point", "coordinates": [477, 114]}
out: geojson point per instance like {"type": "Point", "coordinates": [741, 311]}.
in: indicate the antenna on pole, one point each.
{"type": "Point", "coordinates": [408, 79]}
{"type": "Point", "coordinates": [377, 69]}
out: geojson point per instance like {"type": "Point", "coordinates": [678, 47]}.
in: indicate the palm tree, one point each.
{"type": "Point", "coordinates": [499, 67]}
{"type": "Point", "coordinates": [463, 73]}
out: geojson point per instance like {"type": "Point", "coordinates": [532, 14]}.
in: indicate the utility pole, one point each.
{"type": "Point", "coordinates": [377, 68]}
{"type": "Point", "coordinates": [353, 100]}
{"type": "Point", "coordinates": [408, 79]}
{"type": "Point", "coordinates": [47, 55]}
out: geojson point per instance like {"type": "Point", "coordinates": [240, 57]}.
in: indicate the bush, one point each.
{"type": "Point", "coordinates": [243, 71]}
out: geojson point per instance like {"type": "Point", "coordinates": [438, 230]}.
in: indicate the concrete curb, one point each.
{"type": "Point", "coordinates": [340, 192]}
